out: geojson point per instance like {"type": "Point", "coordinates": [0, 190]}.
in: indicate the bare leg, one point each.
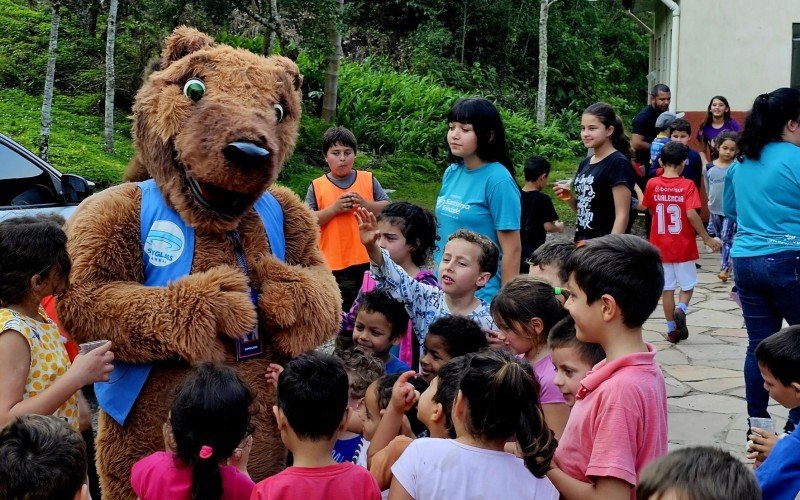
{"type": "Point", "coordinates": [668, 300]}
{"type": "Point", "coordinates": [685, 297]}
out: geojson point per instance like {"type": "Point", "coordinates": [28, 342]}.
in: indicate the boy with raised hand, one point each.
{"type": "Point", "coordinates": [468, 262]}
{"type": "Point", "coordinates": [673, 201]}
{"type": "Point", "coordinates": [619, 421]}
{"type": "Point", "coordinates": [311, 411]}
{"type": "Point", "coordinates": [42, 457]}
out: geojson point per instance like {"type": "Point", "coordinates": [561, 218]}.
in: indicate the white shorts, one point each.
{"type": "Point", "coordinates": [680, 273]}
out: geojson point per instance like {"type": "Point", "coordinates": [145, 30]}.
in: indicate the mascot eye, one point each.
{"type": "Point", "coordinates": [194, 89]}
{"type": "Point", "coordinates": [278, 112]}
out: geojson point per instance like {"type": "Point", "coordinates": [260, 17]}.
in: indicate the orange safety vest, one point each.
{"type": "Point", "coordinates": [339, 239]}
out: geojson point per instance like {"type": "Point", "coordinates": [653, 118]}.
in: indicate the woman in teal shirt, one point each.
{"type": "Point", "coordinates": [478, 191]}
{"type": "Point", "coordinates": [762, 193]}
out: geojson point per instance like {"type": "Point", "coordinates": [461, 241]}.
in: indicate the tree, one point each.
{"type": "Point", "coordinates": [541, 96]}
{"type": "Point", "coordinates": [331, 91]}
{"type": "Point", "coordinates": [111, 36]}
{"type": "Point", "coordinates": [47, 104]}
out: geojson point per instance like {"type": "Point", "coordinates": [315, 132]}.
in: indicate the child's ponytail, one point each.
{"type": "Point", "coordinates": [503, 401]}
{"type": "Point", "coordinates": [765, 122]}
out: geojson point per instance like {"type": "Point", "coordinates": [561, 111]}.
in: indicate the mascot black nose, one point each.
{"type": "Point", "coordinates": [246, 154]}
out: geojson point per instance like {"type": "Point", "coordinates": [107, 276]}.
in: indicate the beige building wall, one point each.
{"type": "Point", "coordinates": [736, 48]}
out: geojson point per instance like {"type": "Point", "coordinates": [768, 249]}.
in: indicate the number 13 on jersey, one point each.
{"type": "Point", "coordinates": [668, 218]}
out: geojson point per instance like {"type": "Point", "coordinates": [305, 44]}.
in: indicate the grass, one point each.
{"type": "Point", "coordinates": [76, 146]}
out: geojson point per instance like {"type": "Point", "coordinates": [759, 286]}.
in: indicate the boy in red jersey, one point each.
{"type": "Point", "coordinates": [673, 201]}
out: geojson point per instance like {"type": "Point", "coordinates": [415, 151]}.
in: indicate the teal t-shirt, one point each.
{"type": "Point", "coordinates": [484, 200]}
{"type": "Point", "coordinates": [763, 196]}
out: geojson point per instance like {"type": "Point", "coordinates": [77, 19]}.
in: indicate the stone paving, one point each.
{"type": "Point", "coordinates": [704, 374]}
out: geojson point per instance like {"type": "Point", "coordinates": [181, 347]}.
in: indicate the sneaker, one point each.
{"type": "Point", "coordinates": [673, 336]}
{"type": "Point", "coordinates": [681, 331]}
{"type": "Point", "coordinates": [723, 275]}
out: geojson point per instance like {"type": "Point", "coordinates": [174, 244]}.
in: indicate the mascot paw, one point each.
{"type": "Point", "coordinates": [281, 291]}
{"type": "Point", "coordinates": [230, 302]}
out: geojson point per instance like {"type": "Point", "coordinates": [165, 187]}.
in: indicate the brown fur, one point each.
{"type": "Point", "coordinates": [197, 317]}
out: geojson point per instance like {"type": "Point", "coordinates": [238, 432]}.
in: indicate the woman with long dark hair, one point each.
{"type": "Point", "coordinates": [718, 119]}
{"type": "Point", "coordinates": [761, 193]}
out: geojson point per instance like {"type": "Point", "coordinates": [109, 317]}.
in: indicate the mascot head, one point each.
{"type": "Point", "coordinates": [213, 127]}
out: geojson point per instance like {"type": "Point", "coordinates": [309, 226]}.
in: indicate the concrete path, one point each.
{"type": "Point", "coordinates": [704, 374]}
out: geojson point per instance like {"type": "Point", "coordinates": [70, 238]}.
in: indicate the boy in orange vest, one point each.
{"type": "Point", "coordinates": [333, 197]}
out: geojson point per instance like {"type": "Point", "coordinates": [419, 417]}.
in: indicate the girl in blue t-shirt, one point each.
{"type": "Point", "coordinates": [478, 191]}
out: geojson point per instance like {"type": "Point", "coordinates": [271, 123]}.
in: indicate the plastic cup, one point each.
{"type": "Point", "coordinates": [767, 424]}
{"type": "Point", "coordinates": [564, 184]}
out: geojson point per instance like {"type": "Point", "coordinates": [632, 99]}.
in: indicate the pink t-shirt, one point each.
{"type": "Point", "coordinates": [344, 481]}
{"type": "Point", "coordinates": [546, 374]}
{"type": "Point", "coordinates": [619, 421]}
{"type": "Point", "coordinates": [163, 476]}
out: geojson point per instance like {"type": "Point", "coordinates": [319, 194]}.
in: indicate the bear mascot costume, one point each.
{"type": "Point", "coordinates": [203, 259]}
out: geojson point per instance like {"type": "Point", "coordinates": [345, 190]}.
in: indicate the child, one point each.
{"type": "Point", "coordinates": [333, 197]}
{"type": "Point", "coordinates": [311, 410]}
{"type": "Point", "coordinates": [377, 402]}
{"type": "Point", "coordinates": [680, 130]}
{"type": "Point", "coordinates": [619, 421]}
{"type": "Point", "coordinates": [468, 261]}
{"type": "Point", "coordinates": [42, 457]}
{"type": "Point", "coordinates": [474, 464]}
{"type": "Point", "coordinates": [525, 310]}
{"type": "Point", "coordinates": [380, 323]}
{"type": "Point", "coordinates": [408, 233]}
{"type": "Point", "coordinates": [572, 358]}
{"type": "Point", "coordinates": [673, 201]}
{"type": "Point", "coordinates": [662, 125]}
{"type": "Point", "coordinates": [36, 374]}
{"type": "Point", "coordinates": [718, 119]}
{"type": "Point", "coordinates": [604, 182]}
{"type": "Point", "coordinates": [697, 473]}
{"type": "Point", "coordinates": [362, 370]}
{"type": "Point", "coordinates": [779, 362]}
{"type": "Point", "coordinates": [719, 225]}
{"type": "Point", "coordinates": [208, 424]}
{"type": "Point", "coordinates": [539, 217]}
{"type": "Point", "coordinates": [449, 337]}
{"type": "Point", "coordinates": [547, 261]}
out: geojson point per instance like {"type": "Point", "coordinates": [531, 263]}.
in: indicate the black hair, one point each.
{"type": "Point", "coordinates": [362, 369]}
{"type": "Point", "coordinates": [340, 136]}
{"type": "Point", "coordinates": [535, 167]}
{"type": "Point", "coordinates": [698, 473]}
{"type": "Point", "coordinates": [605, 113]}
{"type": "Point", "coordinates": [29, 246]}
{"type": "Point", "coordinates": [624, 266]}
{"type": "Point", "coordinates": [563, 335]}
{"type": "Point", "coordinates": [489, 129]}
{"type": "Point", "coordinates": [211, 408]}
{"type": "Point", "coordinates": [490, 254]}
{"type": "Point", "coordinates": [418, 226]}
{"type": "Point", "coordinates": [522, 299]}
{"type": "Point", "coordinates": [502, 397]}
{"type": "Point", "coordinates": [460, 335]}
{"type": "Point", "coordinates": [378, 301]}
{"type": "Point", "coordinates": [384, 393]}
{"type": "Point", "coordinates": [709, 119]}
{"type": "Point", "coordinates": [765, 122]}
{"type": "Point", "coordinates": [312, 393]}
{"type": "Point", "coordinates": [780, 353]}
{"type": "Point", "coordinates": [41, 458]}
{"type": "Point", "coordinates": [554, 251]}
{"type": "Point", "coordinates": [449, 378]}
{"type": "Point", "coordinates": [680, 125]}
{"type": "Point", "coordinates": [674, 154]}
{"type": "Point", "coordinates": [659, 87]}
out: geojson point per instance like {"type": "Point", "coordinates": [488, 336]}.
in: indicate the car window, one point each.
{"type": "Point", "coordinates": [22, 182]}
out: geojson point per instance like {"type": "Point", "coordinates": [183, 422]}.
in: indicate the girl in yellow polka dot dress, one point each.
{"type": "Point", "coordinates": [36, 374]}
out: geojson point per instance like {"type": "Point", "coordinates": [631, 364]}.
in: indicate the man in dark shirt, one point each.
{"type": "Point", "coordinates": [644, 124]}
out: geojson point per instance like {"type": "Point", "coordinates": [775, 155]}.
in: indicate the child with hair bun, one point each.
{"type": "Point", "coordinates": [208, 428]}
{"type": "Point", "coordinates": [525, 310]}
{"type": "Point", "coordinates": [497, 401]}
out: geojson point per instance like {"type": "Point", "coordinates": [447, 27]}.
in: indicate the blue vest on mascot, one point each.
{"type": "Point", "coordinates": [167, 255]}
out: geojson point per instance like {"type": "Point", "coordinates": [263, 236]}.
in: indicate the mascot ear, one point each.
{"type": "Point", "coordinates": [181, 42]}
{"type": "Point", "coordinates": [291, 71]}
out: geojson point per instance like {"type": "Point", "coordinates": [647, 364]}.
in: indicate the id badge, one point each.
{"type": "Point", "coordinates": [250, 346]}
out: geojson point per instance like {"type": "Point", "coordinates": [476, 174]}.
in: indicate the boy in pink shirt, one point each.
{"type": "Point", "coordinates": [619, 421]}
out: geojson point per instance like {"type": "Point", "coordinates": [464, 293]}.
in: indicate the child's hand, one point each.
{"type": "Point", "coordinates": [404, 396]}
{"type": "Point", "coordinates": [496, 339]}
{"type": "Point", "coordinates": [242, 454]}
{"type": "Point", "coordinates": [273, 372]}
{"type": "Point", "coordinates": [94, 366]}
{"type": "Point", "coordinates": [761, 443]}
{"type": "Point", "coordinates": [367, 227]}
{"type": "Point", "coordinates": [346, 203]}
{"type": "Point", "coordinates": [357, 200]}
{"type": "Point", "coordinates": [712, 244]}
